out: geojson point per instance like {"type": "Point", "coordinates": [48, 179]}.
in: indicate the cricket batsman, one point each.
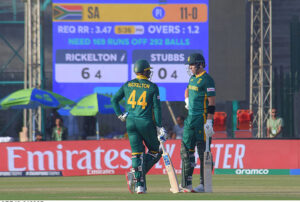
{"type": "Point", "coordinates": [141, 102]}
{"type": "Point", "coordinates": [200, 102]}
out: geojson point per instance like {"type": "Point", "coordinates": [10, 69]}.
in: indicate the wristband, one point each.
{"type": "Point", "coordinates": [211, 109]}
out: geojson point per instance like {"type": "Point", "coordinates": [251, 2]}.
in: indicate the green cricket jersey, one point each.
{"type": "Point", "coordinates": [200, 87]}
{"type": "Point", "coordinates": [141, 99]}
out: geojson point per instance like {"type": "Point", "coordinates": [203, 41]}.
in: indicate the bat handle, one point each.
{"type": "Point", "coordinates": [162, 147]}
{"type": "Point", "coordinates": [207, 149]}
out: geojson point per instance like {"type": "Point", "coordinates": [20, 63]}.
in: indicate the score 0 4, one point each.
{"type": "Point", "coordinates": [169, 73]}
{"type": "Point", "coordinates": [162, 73]}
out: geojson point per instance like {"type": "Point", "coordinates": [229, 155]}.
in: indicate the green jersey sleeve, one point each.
{"type": "Point", "coordinates": [210, 87]}
{"type": "Point", "coordinates": [116, 99]}
{"type": "Point", "coordinates": [157, 107]}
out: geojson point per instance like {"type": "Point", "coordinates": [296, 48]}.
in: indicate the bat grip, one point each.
{"type": "Point", "coordinates": [163, 147]}
{"type": "Point", "coordinates": [207, 149]}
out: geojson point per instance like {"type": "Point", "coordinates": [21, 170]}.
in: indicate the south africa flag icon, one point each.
{"type": "Point", "coordinates": [67, 12]}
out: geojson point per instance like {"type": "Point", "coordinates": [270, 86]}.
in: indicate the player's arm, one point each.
{"type": "Point", "coordinates": [211, 94]}
{"type": "Point", "coordinates": [186, 98]}
{"type": "Point", "coordinates": [157, 107]}
{"type": "Point", "coordinates": [208, 126]}
{"type": "Point", "coordinates": [186, 93]}
{"type": "Point", "coordinates": [161, 131]}
{"type": "Point", "coordinates": [116, 99]}
{"type": "Point", "coordinates": [211, 103]}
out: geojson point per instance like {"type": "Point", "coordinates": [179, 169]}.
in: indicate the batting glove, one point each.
{"type": "Point", "coordinates": [161, 134]}
{"type": "Point", "coordinates": [186, 103]}
{"type": "Point", "coordinates": [208, 128]}
{"type": "Point", "coordinates": [123, 117]}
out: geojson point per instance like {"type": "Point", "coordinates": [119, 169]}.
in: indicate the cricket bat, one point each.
{"type": "Point", "coordinates": [170, 170]}
{"type": "Point", "coordinates": [207, 168]}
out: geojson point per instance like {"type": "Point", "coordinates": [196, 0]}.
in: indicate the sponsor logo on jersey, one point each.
{"type": "Point", "coordinates": [210, 89]}
{"type": "Point", "coordinates": [195, 88]}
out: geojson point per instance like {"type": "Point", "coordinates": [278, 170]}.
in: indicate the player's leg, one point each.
{"type": "Point", "coordinates": [150, 159]}
{"type": "Point", "coordinates": [201, 145]}
{"type": "Point", "coordinates": [138, 149]}
{"type": "Point", "coordinates": [137, 164]}
{"type": "Point", "coordinates": [188, 165]}
{"type": "Point", "coordinates": [150, 138]}
{"type": "Point", "coordinates": [201, 149]}
{"type": "Point", "coordinates": [187, 155]}
{"type": "Point", "coordinates": [148, 131]}
{"type": "Point", "coordinates": [130, 178]}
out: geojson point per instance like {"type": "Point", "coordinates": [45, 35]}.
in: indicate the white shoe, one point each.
{"type": "Point", "coordinates": [130, 181]}
{"type": "Point", "coordinates": [199, 188]}
{"type": "Point", "coordinates": [186, 189]}
{"type": "Point", "coordinates": [140, 190]}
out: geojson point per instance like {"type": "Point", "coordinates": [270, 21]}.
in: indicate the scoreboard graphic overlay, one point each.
{"type": "Point", "coordinates": [96, 43]}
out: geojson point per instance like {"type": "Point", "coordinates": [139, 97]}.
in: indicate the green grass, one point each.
{"type": "Point", "coordinates": [113, 187]}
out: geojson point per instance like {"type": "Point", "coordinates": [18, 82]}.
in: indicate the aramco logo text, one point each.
{"type": "Point", "coordinates": [252, 171]}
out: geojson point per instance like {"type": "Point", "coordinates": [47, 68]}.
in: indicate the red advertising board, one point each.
{"type": "Point", "coordinates": [114, 156]}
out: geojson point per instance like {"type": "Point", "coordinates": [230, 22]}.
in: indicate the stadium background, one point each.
{"type": "Point", "coordinates": [229, 29]}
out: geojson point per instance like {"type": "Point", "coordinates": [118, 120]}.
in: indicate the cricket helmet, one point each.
{"type": "Point", "coordinates": [140, 66]}
{"type": "Point", "coordinates": [196, 58]}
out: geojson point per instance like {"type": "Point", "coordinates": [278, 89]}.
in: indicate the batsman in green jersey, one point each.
{"type": "Point", "coordinates": [200, 102]}
{"type": "Point", "coordinates": [142, 101]}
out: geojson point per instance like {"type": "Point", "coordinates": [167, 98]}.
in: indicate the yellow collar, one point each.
{"type": "Point", "coordinates": [197, 76]}
{"type": "Point", "coordinates": [141, 77]}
